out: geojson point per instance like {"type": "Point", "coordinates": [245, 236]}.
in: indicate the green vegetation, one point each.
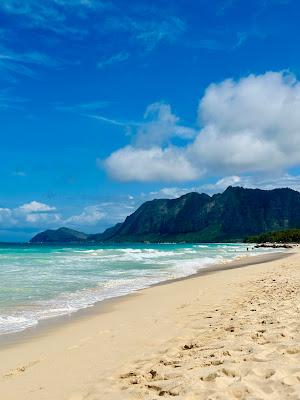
{"type": "Point", "coordinates": [61, 235]}
{"type": "Point", "coordinates": [286, 236]}
{"type": "Point", "coordinates": [230, 216]}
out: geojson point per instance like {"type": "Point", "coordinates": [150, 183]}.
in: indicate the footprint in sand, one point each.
{"type": "Point", "coordinates": [20, 370]}
{"type": "Point", "coordinates": [247, 355]}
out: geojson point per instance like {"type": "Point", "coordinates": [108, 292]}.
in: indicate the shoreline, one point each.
{"type": "Point", "coordinates": [109, 354]}
{"type": "Point", "coordinates": [47, 325]}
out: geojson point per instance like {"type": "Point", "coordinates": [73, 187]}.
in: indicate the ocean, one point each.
{"type": "Point", "coordinates": [40, 282]}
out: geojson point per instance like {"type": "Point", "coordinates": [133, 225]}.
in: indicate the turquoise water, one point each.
{"type": "Point", "coordinates": [41, 282]}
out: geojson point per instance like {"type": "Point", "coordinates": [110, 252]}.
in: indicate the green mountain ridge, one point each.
{"type": "Point", "coordinates": [229, 216]}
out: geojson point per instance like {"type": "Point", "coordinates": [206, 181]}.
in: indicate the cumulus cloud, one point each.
{"type": "Point", "coordinates": [91, 215]}
{"type": "Point", "coordinates": [29, 214]}
{"type": "Point", "coordinates": [160, 126]}
{"type": "Point", "coordinates": [148, 158]}
{"type": "Point", "coordinates": [35, 207]}
{"type": "Point", "coordinates": [248, 125]}
{"type": "Point", "coordinates": [39, 216]}
{"type": "Point", "coordinates": [36, 213]}
{"type": "Point", "coordinates": [153, 164]}
{"type": "Point", "coordinates": [35, 216]}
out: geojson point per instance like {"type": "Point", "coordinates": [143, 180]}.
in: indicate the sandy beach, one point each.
{"type": "Point", "coordinates": [233, 333]}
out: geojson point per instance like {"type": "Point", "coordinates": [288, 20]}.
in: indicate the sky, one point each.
{"type": "Point", "coordinates": [107, 104]}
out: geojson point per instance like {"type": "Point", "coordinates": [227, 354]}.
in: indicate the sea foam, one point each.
{"type": "Point", "coordinates": [38, 283]}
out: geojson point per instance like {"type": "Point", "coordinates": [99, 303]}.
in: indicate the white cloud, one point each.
{"type": "Point", "coordinates": [99, 216]}
{"type": "Point", "coordinates": [147, 159]}
{"type": "Point", "coordinates": [248, 125]}
{"type": "Point", "coordinates": [228, 181]}
{"type": "Point", "coordinates": [169, 193]}
{"type": "Point", "coordinates": [270, 182]}
{"type": "Point", "coordinates": [29, 214]}
{"type": "Point", "coordinates": [42, 216]}
{"type": "Point", "coordinates": [36, 213]}
{"type": "Point", "coordinates": [160, 126]}
{"type": "Point", "coordinates": [209, 188]}
{"type": "Point", "coordinates": [153, 164]}
{"type": "Point", "coordinates": [35, 206]}
{"type": "Point", "coordinates": [91, 215]}
{"type": "Point", "coordinates": [267, 183]}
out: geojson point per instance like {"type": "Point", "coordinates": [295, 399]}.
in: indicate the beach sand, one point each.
{"type": "Point", "coordinates": [230, 334]}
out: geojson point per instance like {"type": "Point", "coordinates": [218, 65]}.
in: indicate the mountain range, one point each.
{"type": "Point", "coordinates": [197, 217]}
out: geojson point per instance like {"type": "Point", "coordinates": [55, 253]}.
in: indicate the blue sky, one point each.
{"type": "Point", "coordinates": [106, 104]}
